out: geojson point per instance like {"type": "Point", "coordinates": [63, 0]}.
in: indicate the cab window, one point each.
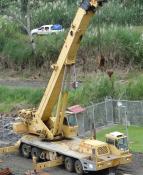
{"type": "Point", "coordinates": [110, 141]}
{"type": "Point", "coordinates": [122, 143]}
{"type": "Point", "coordinates": [46, 28]}
{"type": "Point", "coordinates": [70, 120]}
{"type": "Point", "coordinates": [41, 28]}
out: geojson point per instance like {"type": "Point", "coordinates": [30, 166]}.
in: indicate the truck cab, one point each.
{"type": "Point", "coordinates": [117, 142]}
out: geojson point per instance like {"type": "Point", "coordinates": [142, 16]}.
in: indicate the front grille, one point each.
{"type": "Point", "coordinates": [102, 150]}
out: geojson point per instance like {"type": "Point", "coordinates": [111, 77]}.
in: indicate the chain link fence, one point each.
{"type": "Point", "coordinates": [110, 112]}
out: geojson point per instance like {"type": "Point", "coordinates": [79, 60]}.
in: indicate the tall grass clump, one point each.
{"type": "Point", "coordinates": [16, 48]}
{"type": "Point", "coordinates": [55, 13]}
{"type": "Point", "coordinates": [11, 98]}
{"type": "Point", "coordinates": [19, 52]}
{"type": "Point", "coordinates": [120, 46]}
{"type": "Point", "coordinates": [121, 13]}
{"type": "Point", "coordinates": [92, 90]}
{"type": "Point", "coordinates": [131, 89]}
{"type": "Point", "coordinates": [48, 48]}
{"type": "Point", "coordinates": [134, 89]}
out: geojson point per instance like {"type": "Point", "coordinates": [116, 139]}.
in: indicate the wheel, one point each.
{"type": "Point", "coordinates": [34, 34]}
{"type": "Point", "coordinates": [25, 150]}
{"type": "Point", "coordinates": [69, 164]}
{"type": "Point", "coordinates": [112, 171]}
{"type": "Point", "coordinates": [36, 152]}
{"type": "Point", "coordinates": [78, 167]}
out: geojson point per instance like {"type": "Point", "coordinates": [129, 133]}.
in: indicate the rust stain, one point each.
{"type": "Point", "coordinates": [5, 171]}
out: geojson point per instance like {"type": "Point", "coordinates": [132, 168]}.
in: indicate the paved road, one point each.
{"type": "Point", "coordinates": [23, 83]}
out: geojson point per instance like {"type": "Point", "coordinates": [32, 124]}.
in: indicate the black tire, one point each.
{"type": "Point", "coordinates": [25, 150]}
{"type": "Point", "coordinates": [36, 152]}
{"type": "Point", "coordinates": [112, 171]}
{"type": "Point", "coordinates": [69, 164]}
{"type": "Point", "coordinates": [78, 167]}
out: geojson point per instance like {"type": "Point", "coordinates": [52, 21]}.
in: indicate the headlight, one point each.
{"type": "Point", "coordinates": [90, 166]}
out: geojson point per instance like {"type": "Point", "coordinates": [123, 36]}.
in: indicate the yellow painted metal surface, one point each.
{"type": "Point", "coordinates": [20, 127]}
{"type": "Point", "coordinates": [70, 132]}
{"type": "Point", "coordinates": [48, 164]}
{"type": "Point", "coordinates": [9, 149]}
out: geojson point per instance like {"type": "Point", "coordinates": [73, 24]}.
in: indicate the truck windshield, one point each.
{"type": "Point", "coordinates": [72, 121]}
{"type": "Point", "coordinates": [122, 144]}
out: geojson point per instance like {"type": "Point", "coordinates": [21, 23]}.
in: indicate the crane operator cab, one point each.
{"type": "Point", "coordinates": [118, 141]}
{"type": "Point", "coordinates": [70, 126]}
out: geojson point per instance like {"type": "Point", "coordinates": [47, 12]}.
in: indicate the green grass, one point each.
{"type": "Point", "coordinates": [89, 91]}
{"type": "Point", "coordinates": [12, 98]}
{"type": "Point", "coordinates": [135, 136]}
{"type": "Point", "coordinates": [138, 29]}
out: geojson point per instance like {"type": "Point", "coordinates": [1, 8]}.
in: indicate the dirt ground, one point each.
{"type": "Point", "coordinates": [23, 83]}
{"type": "Point", "coordinates": [20, 165]}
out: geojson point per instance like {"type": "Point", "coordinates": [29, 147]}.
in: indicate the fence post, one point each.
{"type": "Point", "coordinates": [93, 123]}
{"type": "Point", "coordinates": [106, 109]}
{"type": "Point", "coordinates": [1, 127]}
{"type": "Point", "coordinates": [114, 104]}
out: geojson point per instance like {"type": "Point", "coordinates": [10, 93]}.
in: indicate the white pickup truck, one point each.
{"type": "Point", "coordinates": [47, 29]}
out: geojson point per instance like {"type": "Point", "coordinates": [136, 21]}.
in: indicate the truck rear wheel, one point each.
{"type": "Point", "coordinates": [78, 167]}
{"type": "Point", "coordinates": [112, 171]}
{"type": "Point", "coordinates": [25, 150]}
{"type": "Point", "coordinates": [69, 164]}
{"type": "Point", "coordinates": [36, 152]}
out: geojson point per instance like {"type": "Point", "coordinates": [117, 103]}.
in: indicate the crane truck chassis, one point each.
{"type": "Point", "coordinates": [79, 155]}
{"type": "Point", "coordinates": [52, 138]}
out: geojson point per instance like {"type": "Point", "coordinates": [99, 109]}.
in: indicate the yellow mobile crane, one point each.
{"type": "Point", "coordinates": [53, 138]}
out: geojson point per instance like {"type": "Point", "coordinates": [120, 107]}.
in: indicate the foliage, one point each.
{"type": "Point", "coordinates": [121, 13]}
{"type": "Point", "coordinates": [10, 98]}
{"type": "Point", "coordinates": [131, 89]}
{"type": "Point", "coordinates": [50, 14]}
{"type": "Point", "coordinates": [48, 48]}
{"type": "Point", "coordinates": [120, 45]}
{"type": "Point", "coordinates": [92, 90]}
